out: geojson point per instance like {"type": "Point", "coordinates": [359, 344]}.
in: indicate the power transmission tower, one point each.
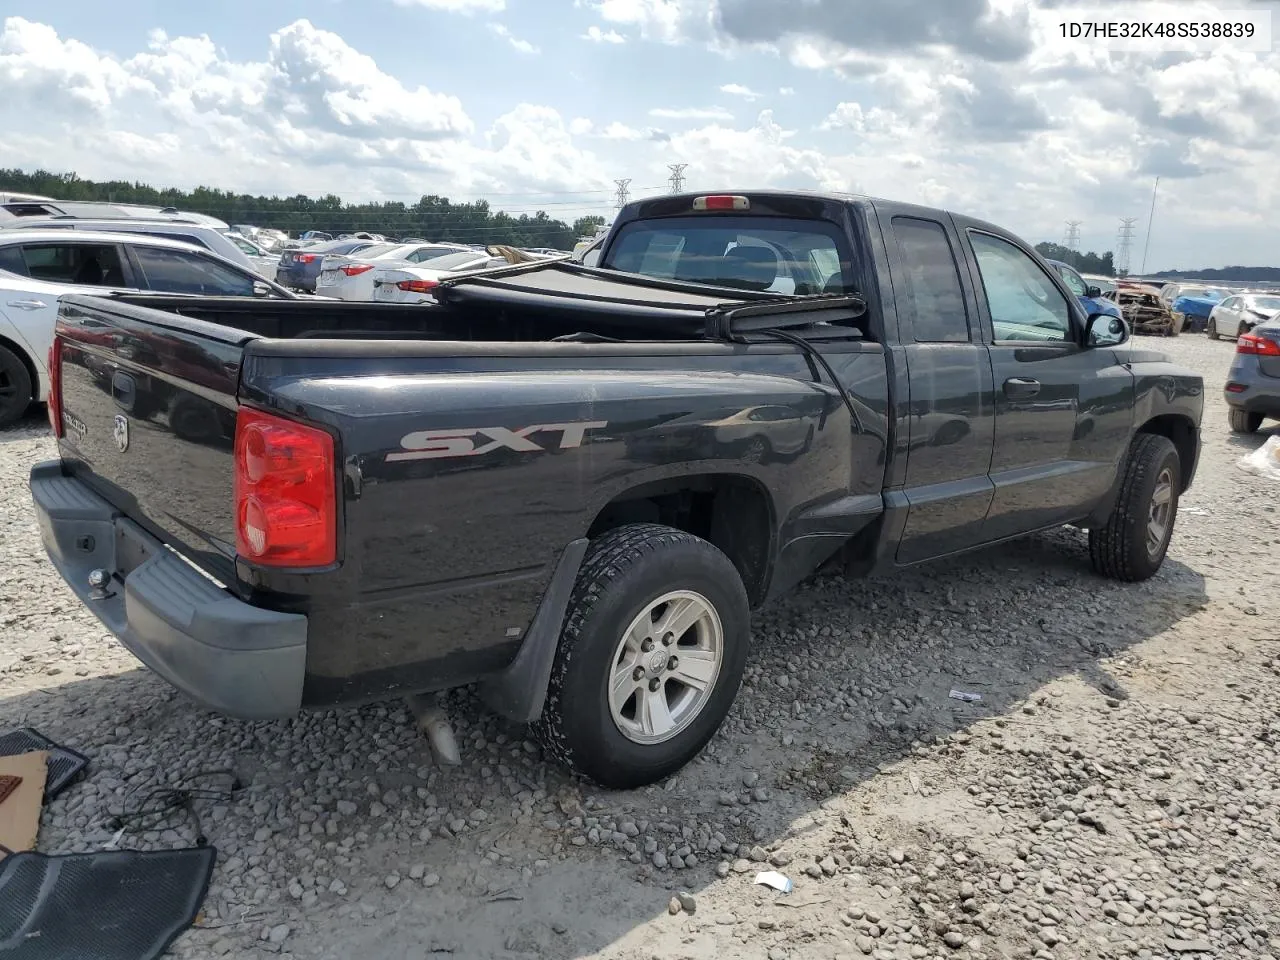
{"type": "Point", "coordinates": [623, 195]}
{"type": "Point", "coordinates": [1124, 244]}
{"type": "Point", "coordinates": [1072, 241]}
{"type": "Point", "coordinates": [677, 176]}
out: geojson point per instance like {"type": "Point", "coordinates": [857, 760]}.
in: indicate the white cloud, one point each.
{"type": "Point", "coordinates": [620, 131]}
{"type": "Point", "coordinates": [580, 126]}
{"type": "Point", "coordinates": [786, 91]}
{"type": "Point", "coordinates": [521, 46]}
{"type": "Point", "coordinates": [457, 6]}
{"type": "Point", "coordinates": [596, 35]}
{"type": "Point", "coordinates": [691, 113]}
{"type": "Point", "coordinates": [738, 90]}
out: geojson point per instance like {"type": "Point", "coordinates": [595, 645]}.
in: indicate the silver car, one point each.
{"type": "Point", "coordinates": [1252, 391]}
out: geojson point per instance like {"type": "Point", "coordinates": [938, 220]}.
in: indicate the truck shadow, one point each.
{"type": "Point", "coordinates": [846, 678]}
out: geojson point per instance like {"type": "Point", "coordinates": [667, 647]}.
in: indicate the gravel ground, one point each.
{"type": "Point", "coordinates": [1114, 793]}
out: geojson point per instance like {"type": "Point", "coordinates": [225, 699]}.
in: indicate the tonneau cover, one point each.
{"type": "Point", "coordinates": [605, 296]}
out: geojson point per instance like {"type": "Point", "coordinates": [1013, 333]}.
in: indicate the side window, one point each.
{"type": "Point", "coordinates": [180, 271]}
{"type": "Point", "coordinates": [1024, 303]}
{"type": "Point", "coordinates": [11, 261]}
{"type": "Point", "coordinates": [1073, 281]}
{"type": "Point", "coordinates": [1229, 303]}
{"type": "Point", "coordinates": [89, 264]}
{"type": "Point", "coordinates": [932, 281]}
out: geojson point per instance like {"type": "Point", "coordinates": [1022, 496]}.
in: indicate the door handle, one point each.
{"type": "Point", "coordinates": [1021, 388]}
{"type": "Point", "coordinates": [28, 304]}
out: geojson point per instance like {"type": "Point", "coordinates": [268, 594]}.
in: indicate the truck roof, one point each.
{"type": "Point", "coordinates": [780, 200]}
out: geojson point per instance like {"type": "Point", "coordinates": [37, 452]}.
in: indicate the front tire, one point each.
{"type": "Point", "coordinates": [1211, 329]}
{"type": "Point", "coordinates": [650, 659]}
{"type": "Point", "coordinates": [15, 387]}
{"type": "Point", "coordinates": [1244, 422]}
{"type": "Point", "coordinates": [1133, 543]}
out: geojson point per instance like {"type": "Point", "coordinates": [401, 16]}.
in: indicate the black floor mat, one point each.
{"type": "Point", "coordinates": [113, 905]}
{"type": "Point", "coordinates": [64, 764]}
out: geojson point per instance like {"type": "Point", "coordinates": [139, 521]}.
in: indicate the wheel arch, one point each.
{"type": "Point", "coordinates": [732, 511]}
{"type": "Point", "coordinates": [1180, 430]}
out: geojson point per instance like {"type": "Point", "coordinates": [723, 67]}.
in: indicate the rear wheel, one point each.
{"type": "Point", "coordinates": [650, 659]}
{"type": "Point", "coordinates": [15, 387]}
{"type": "Point", "coordinates": [1244, 422]}
{"type": "Point", "coordinates": [1133, 543]}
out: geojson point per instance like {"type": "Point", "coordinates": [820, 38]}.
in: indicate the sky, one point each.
{"type": "Point", "coordinates": [977, 106]}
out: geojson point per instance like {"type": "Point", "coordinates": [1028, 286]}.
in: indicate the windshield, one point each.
{"type": "Point", "coordinates": [775, 254]}
{"type": "Point", "coordinates": [1264, 303]}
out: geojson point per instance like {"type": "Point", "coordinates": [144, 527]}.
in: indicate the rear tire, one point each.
{"type": "Point", "coordinates": [625, 572]}
{"type": "Point", "coordinates": [1133, 543]}
{"type": "Point", "coordinates": [15, 387]}
{"type": "Point", "coordinates": [1244, 422]}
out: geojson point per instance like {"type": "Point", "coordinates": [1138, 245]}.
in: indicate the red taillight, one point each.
{"type": "Point", "coordinates": [721, 202]}
{"type": "Point", "coordinates": [1236, 388]}
{"type": "Point", "coordinates": [55, 387]}
{"type": "Point", "coordinates": [286, 505]}
{"type": "Point", "coordinates": [417, 286]}
{"type": "Point", "coordinates": [1252, 343]}
{"type": "Point", "coordinates": [306, 258]}
{"type": "Point", "coordinates": [355, 269]}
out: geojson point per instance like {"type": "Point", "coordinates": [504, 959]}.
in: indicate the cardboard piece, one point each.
{"type": "Point", "coordinates": [20, 811]}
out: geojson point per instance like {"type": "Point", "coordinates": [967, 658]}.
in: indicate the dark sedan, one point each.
{"type": "Point", "coordinates": [299, 267]}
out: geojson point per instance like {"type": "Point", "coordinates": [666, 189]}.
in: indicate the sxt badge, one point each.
{"type": "Point", "coordinates": [436, 444]}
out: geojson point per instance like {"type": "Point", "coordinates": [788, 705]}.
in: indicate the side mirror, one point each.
{"type": "Point", "coordinates": [260, 289]}
{"type": "Point", "coordinates": [1093, 292]}
{"type": "Point", "coordinates": [1104, 330]}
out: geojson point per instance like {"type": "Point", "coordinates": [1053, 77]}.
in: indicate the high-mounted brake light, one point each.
{"type": "Point", "coordinates": [721, 202]}
{"type": "Point", "coordinates": [285, 483]}
{"type": "Point", "coordinates": [1261, 346]}
{"type": "Point", "coordinates": [417, 286]}
{"type": "Point", "coordinates": [355, 269]}
{"type": "Point", "coordinates": [55, 387]}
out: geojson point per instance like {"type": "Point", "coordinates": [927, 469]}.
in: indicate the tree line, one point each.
{"type": "Point", "coordinates": [1090, 262]}
{"type": "Point", "coordinates": [431, 217]}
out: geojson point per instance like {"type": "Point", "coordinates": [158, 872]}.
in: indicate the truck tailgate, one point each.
{"type": "Point", "coordinates": [148, 410]}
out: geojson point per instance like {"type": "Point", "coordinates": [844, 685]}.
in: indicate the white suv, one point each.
{"type": "Point", "coordinates": [39, 266]}
{"type": "Point", "coordinates": [183, 230]}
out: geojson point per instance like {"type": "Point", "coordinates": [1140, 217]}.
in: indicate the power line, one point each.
{"type": "Point", "coordinates": [1072, 241]}
{"type": "Point", "coordinates": [677, 176]}
{"type": "Point", "coordinates": [622, 196]}
{"type": "Point", "coordinates": [1124, 244]}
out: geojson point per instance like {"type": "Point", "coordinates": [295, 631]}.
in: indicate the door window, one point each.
{"type": "Point", "coordinates": [91, 264]}
{"type": "Point", "coordinates": [178, 271]}
{"type": "Point", "coordinates": [1025, 304]}
{"type": "Point", "coordinates": [932, 281]}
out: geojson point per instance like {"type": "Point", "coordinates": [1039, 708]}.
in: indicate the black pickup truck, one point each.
{"type": "Point", "coordinates": [571, 484]}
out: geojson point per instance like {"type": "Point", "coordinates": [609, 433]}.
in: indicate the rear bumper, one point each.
{"type": "Point", "coordinates": [229, 655]}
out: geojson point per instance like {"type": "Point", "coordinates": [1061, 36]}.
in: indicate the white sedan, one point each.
{"type": "Point", "coordinates": [1241, 313]}
{"type": "Point", "coordinates": [351, 277]}
{"type": "Point", "coordinates": [413, 284]}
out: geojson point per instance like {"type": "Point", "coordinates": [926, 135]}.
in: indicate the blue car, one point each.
{"type": "Point", "coordinates": [1090, 297]}
{"type": "Point", "coordinates": [299, 267]}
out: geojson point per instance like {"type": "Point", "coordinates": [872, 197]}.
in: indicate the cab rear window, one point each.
{"type": "Point", "coordinates": [774, 254]}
